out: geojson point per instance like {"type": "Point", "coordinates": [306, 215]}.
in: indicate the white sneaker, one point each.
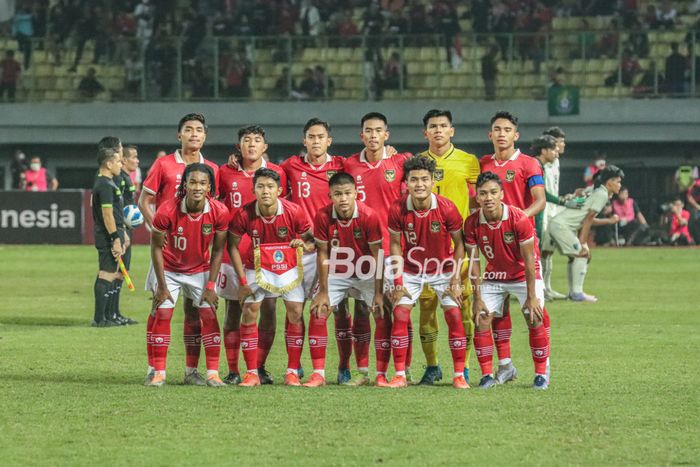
{"type": "Point", "coordinates": [582, 297]}
{"type": "Point", "coordinates": [550, 294]}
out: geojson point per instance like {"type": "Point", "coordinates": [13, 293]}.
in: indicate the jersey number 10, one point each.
{"type": "Point", "coordinates": [180, 243]}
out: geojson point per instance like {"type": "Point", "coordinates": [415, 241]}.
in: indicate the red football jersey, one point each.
{"type": "Point", "coordinates": [518, 174]}
{"type": "Point", "coordinates": [308, 183]}
{"type": "Point", "coordinates": [427, 242]}
{"type": "Point", "coordinates": [359, 232]}
{"type": "Point", "coordinates": [379, 184]}
{"type": "Point", "coordinates": [289, 223]}
{"type": "Point", "coordinates": [500, 243]}
{"type": "Point", "coordinates": [189, 237]}
{"type": "Point", "coordinates": [164, 178]}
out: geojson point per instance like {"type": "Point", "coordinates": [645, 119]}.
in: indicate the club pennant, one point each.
{"type": "Point", "coordinates": [278, 267]}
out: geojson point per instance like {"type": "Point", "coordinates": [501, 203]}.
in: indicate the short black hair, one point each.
{"type": "Point", "coordinates": [104, 155]}
{"type": "Point", "coordinates": [505, 115]}
{"type": "Point", "coordinates": [130, 147]}
{"type": "Point", "coordinates": [610, 171]}
{"type": "Point", "coordinates": [555, 131]}
{"type": "Point", "coordinates": [251, 130]}
{"type": "Point", "coordinates": [189, 117]}
{"type": "Point", "coordinates": [341, 178]}
{"type": "Point", "coordinates": [317, 121]}
{"type": "Point", "coordinates": [433, 113]}
{"type": "Point", "coordinates": [267, 173]}
{"type": "Point", "coordinates": [373, 116]}
{"type": "Point", "coordinates": [543, 142]}
{"type": "Point", "coordinates": [418, 163]}
{"type": "Point", "coordinates": [488, 177]}
{"type": "Point", "coordinates": [111, 142]}
{"type": "Point", "coordinates": [197, 167]}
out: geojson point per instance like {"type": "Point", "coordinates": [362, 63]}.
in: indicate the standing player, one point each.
{"type": "Point", "coordinates": [455, 175]}
{"type": "Point", "coordinates": [568, 231]}
{"type": "Point", "coordinates": [269, 219]}
{"type": "Point", "coordinates": [423, 228]}
{"type": "Point", "coordinates": [235, 191]}
{"type": "Point", "coordinates": [347, 234]}
{"type": "Point", "coordinates": [378, 179]}
{"type": "Point", "coordinates": [183, 230]}
{"type": "Point", "coordinates": [308, 187]}
{"type": "Point", "coordinates": [523, 187]}
{"type": "Point", "coordinates": [506, 238]}
{"type": "Point", "coordinates": [161, 185]}
{"type": "Point", "coordinates": [108, 216]}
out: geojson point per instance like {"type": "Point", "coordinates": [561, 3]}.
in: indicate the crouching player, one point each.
{"type": "Point", "coordinates": [429, 224]}
{"type": "Point", "coordinates": [269, 220]}
{"type": "Point", "coordinates": [183, 230]}
{"type": "Point", "coordinates": [350, 233]}
{"type": "Point", "coordinates": [506, 237]}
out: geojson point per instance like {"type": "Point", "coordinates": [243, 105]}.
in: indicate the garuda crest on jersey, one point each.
{"type": "Point", "coordinates": [510, 175]}
{"type": "Point", "coordinates": [390, 175]}
{"type": "Point", "coordinates": [439, 175]}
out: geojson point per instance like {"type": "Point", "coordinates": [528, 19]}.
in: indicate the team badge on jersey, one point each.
{"type": "Point", "coordinates": [357, 232]}
{"type": "Point", "coordinates": [410, 226]}
{"type": "Point", "coordinates": [282, 232]}
{"type": "Point", "coordinates": [330, 173]}
{"type": "Point", "coordinates": [278, 256]}
{"type": "Point", "coordinates": [510, 175]}
{"type": "Point", "coordinates": [390, 175]}
{"type": "Point", "coordinates": [435, 226]}
{"type": "Point", "coordinates": [439, 175]}
{"type": "Point", "coordinates": [180, 229]}
{"type": "Point", "coordinates": [508, 237]}
{"type": "Point", "coordinates": [207, 228]}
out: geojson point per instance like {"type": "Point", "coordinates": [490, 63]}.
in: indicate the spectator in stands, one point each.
{"type": "Point", "coordinates": [323, 84]}
{"type": "Point", "coordinates": [444, 15]}
{"type": "Point", "coordinates": [599, 163]}
{"type": "Point", "coordinates": [307, 87]}
{"type": "Point", "coordinates": [607, 47]}
{"type": "Point", "coordinates": [638, 38]}
{"type": "Point", "coordinates": [223, 23]}
{"type": "Point", "coordinates": [693, 198]}
{"type": "Point", "coordinates": [133, 70]}
{"type": "Point", "coordinates": [23, 31]}
{"type": "Point", "coordinates": [284, 86]}
{"type": "Point", "coordinates": [373, 20]}
{"type": "Point", "coordinates": [89, 86]}
{"type": "Point", "coordinates": [85, 29]}
{"type": "Point", "coordinates": [398, 23]}
{"type": "Point", "coordinates": [394, 72]}
{"type": "Point", "coordinates": [679, 234]}
{"type": "Point", "coordinates": [200, 79]}
{"type": "Point", "coordinates": [686, 175]}
{"type": "Point", "coordinates": [163, 59]}
{"type": "Point", "coordinates": [144, 13]}
{"type": "Point", "coordinates": [11, 71]}
{"type": "Point", "coordinates": [666, 15]}
{"type": "Point", "coordinates": [286, 18]}
{"type": "Point", "coordinates": [676, 66]}
{"type": "Point", "coordinates": [651, 17]}
{"type": "Point", "coordinates": [310, 18]}
{"type": "Point", "coordinates": [194, 31]}
{"type": "Point", "coordinates": [630, 70]}
{"type": "Point", "coordinates": [260, 15]}
{"type": "Point", "coordinates": [237, 73]}
{"type": "Point", "coordinates": [58, 29]}
{"type": "Point", "coordinates": [489, 72]}
{"type": "Point", "coordinates": [586, 41]}
{"type": "Point", "coordinates": [632, 225]}
{"type": "Point", "coordinates": [17, 169]}
{"type": "Point", "coordinates": [38, 178]}
{"type": "Point", "coordinates": [372, 73]}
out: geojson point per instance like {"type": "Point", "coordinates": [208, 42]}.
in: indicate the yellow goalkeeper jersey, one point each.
{"type": "Point", "coordinates": [456, 171]}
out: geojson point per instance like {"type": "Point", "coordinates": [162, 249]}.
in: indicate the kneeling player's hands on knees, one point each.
{"type": "Point", "coordinates": [533, 310]}
{"type": "Point", "coordinates": [377, 306]}
{"type": "Point", "coordinates": [479, 311]}
{"type": "Point", "coordinates": [161, 296]}
{"type": "Point", "coordinates": [296, 243]}
{"type": "Point", "coordinates": [321, 305]}
{"type": "Point", "coordinates": [398, 293]}
{"type": "Point", "coordinates": [455, 291]}
{"type": "Point", "coordinates": [244, 292]}
{"type": "Point", "coordinates": [209, 296]}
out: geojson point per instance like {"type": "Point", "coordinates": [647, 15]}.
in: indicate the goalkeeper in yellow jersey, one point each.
{"type": "Point", "coordinates": [455, 178]}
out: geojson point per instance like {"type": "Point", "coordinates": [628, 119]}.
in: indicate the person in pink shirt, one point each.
{"type": "Point", "coordinates": [632, 221]}
{"type": "Point", "coordinates": [37, 178]}
{"type": "Point", "coordinates": [678, 232]}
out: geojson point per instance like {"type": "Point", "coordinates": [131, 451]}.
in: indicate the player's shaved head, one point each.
{"type": "Point", "coordinates": [486, 177]}
{"type": "Point", "coordinates": [251, 130]}
{"type": "Point", "coordinates": [190, 118]}
{"type": "Point", "coordinates": [341, 178]}
{"type": "Point", "coordinates": [434, 113]}
{"type": "Point", "coordinates": [373, 116]}
{"type": "Point", "coordinates": [264, 172]}
{"type": "Point", "coordinates": [502, 114]}
{"type": "Point", "coordinates": [418, 163]}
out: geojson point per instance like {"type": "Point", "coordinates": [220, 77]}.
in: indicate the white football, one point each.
{"type": "Point", "coordinates": [132, 216]}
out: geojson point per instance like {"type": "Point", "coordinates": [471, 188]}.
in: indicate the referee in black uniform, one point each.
{"type": "Point", "coordinates": [108, 216]}
{"type": "Point", "coordinates": [125, 185]}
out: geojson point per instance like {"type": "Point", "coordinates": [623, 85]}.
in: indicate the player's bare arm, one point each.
{"type": "Point", "coordinates": [217, 252]}
{"type": "Point", "coordinates": [585, 232]}
{"type": "Point", "coordinates": [111, 227]}
{"type": "Point", "coordinates": [612, 220]}
{"type": "Point", "coordinates": [377, 305]}
{"type": "Point", "coordinates": [244, 291]}
{"type": "Point", "coordinates": [455, 288]}
{"type": "Point", "coordinates": [162, 293]}
{"type": "Point", "coordinates": [539, 201]}
{"type": "Point", "coordinates": [397, 255]}
{"type": "Point", "coordinates": [532, 305]}
{"type": "Point", "coordinates": [321, 304]}
{"type": "Point", "coordinates": [306, 241]}
{"type": "Point", "coordinates": [146, 200]}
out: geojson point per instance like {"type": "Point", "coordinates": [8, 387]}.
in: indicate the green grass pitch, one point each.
{"type": "Point", "coordinates": [625, 383]}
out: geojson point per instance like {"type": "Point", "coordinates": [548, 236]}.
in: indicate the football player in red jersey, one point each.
{"type": "Point", "coordinates": [267, 220]}
{"type": "Point", "coordinates": [506, 237]}
{"type": "Point", "coordinates": [423, 226]}
{"type": "Point", "coordinates": [161, 185]}
{"type": "Point", "coordinates": [348, 238]}
{"type": "Point", "coordinates": [379, 178]}
{"type": "Point", "coordinates": [235, 186]}
{"type": "Point", "coordinates": [523, 187]}
{"type": "Point", "coordinates": [183, 230]}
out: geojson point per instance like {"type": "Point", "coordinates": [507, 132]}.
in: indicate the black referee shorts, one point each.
{"type": "Point", "coordinates": [108, 262]}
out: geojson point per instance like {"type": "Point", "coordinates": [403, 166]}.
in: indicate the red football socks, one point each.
{"type": "Point", "coordinates": [232, 344]}
{"type": "Point", "coordinates": [483, 345]}
{"type": "Point", "coordinates": [149, 338]}
{"type": "Point", "coordinates": [399, 336]}
{"type": "Point", "coordinates": [192, 337]}
{"type": "Point", "coordinates": [211, 338]}
{"type": "Point", "coordinates": [160, 337]}
{"type": "Point", "coordinates": [457, 338]}
{"type": "Point", "coordinates": [409, 350]}
{"type": "Point", "coordinates": [249, 345]}
{"type": "Point", "coordinates": [267, 338]}
{"type": "Point", "coordinates": [539, 346]}
{"type": "Point", "coordinates": [318, 341]}
{"type": "Point", "coordinates": [382, 342]}
{"type": "Point", "coordinates": [502, 329]}
{"type": "Point", "coordinates": [343, 337]}
{"type": "Point", "coordinates": [295, 344]}
{"type": "Point", "coordinates": [361, 337]}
